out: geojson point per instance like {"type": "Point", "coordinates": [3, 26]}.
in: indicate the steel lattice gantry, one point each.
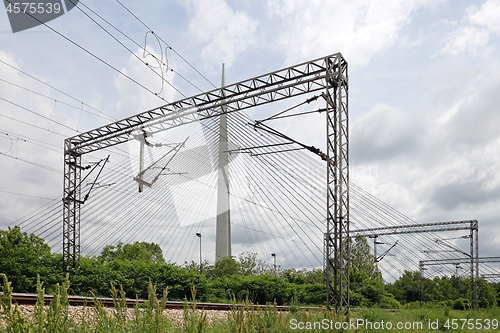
{"type": "Point", "coordinates": [327, 74]}
{"type": "Point", "coordinates": [471, 225]}
{"type": "Point", "coordinates": [457, 261]}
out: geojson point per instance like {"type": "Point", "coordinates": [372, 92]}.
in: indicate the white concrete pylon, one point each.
{"type": "Point", "coordinates": [223, 228]}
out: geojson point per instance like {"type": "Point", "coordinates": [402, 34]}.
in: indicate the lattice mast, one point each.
{"type": "Point", "coordinates": [71, 206]}
{"type": "Point", "coordinates": [337, 247]}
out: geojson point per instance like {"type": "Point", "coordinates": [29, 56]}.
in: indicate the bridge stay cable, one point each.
{"type": "Point", "coordinates": [328, 74]}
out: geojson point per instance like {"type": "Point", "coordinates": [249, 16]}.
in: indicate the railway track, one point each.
{"type": "Point", "coordinates": [30, 299]}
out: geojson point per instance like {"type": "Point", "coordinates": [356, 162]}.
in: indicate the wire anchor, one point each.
{"type": "Point", "coordinates": [70, 194]}
{"type": "Point", "coordinates": [175, 150]}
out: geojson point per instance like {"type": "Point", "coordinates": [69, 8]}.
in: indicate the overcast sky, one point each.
{"type": "Point", "coordinates": [424, 90]}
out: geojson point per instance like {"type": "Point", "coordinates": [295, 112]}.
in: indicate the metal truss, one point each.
{"type": "Point", "coordinates": [490, 276]}
{"type": "Point", "coordinates": [472, 259]}
{"type": "Point", "coordinates": [483, 286]}
{"type": "Point", "coordinates": [458, 261]}
{"type": "Point", "coordinates": [336, 242]}
{"type": "Point", "coordinates": [415, 228]}
{"type": "Point", "coordinates": [466, 260]}
{"type": "Point", "coordinates": [293, 81]}
{"type": "Point", "coordinates": [328, 74]}
{"type": "Point", "coordinates": [71, 208]}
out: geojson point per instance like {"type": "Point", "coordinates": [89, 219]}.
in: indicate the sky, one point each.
{"type": "Point", "coordinates": [424, 83]}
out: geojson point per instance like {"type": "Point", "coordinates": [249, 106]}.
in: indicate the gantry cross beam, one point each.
{"type": "Point", "coordinates": [328, 74]}
{"type": "Point", "coordinates": [300, 79]}
{"type": "Point", "coordinates": [416, 228]}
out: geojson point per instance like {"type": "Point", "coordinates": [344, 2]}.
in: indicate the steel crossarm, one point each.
{"type": "Point", "coordinates": [415, 228]}
{"type": "Point", "coordinates": [490, 275]}
{"type": "Point", "coordinates": [285, 83]}
{"type": "Point", "coordinates": [464, 260]}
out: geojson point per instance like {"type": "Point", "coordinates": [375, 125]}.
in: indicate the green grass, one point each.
{"type": "Point", "coordinates": [149, 318]}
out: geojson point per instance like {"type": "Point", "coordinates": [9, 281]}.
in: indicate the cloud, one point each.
{"type": "Point", "coordinates": [222, 31]}
{"type": "Point", "coordinates": [134, 99]}
{"type": "Point", "coordinates": [475, 30]}
{"type": "Point", "coordinates": [24, 160]}
{"type": "Point", "coordinates": [475, 122]}
{"type": "Point", "coordinates": [466, 39]}
{"type": "Point", "coordinates": [383, 133]}
{"type": "Point", "coordinates": [470, 192]}
{"type": "Point", "coordinates": [358, 29]}
{"type": "Point", "coordinates": [435, 160]}
{"type": "Point", "coordinates": [486, 16]}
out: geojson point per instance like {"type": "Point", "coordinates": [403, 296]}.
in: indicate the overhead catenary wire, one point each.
{"type": "Point", "coordinates": [93, 55]}
{"type": "Point", "coordinates": [173, 50]}
{"type": "Point", "coordinates": [26, 195]}
{"type": "Point", "coordinates": [38, 114]}
{"type": "Point", "coordinates": [293, 161]}
{"type": "Point", "coordinates": [128, 49]}
{"type": "Point", "coordinates": [141, 46]}
{"type": "Point", "coordinates": [36, 142]}
{"type": "Point", "coordinates": [33, 163]}
{"type": "Point", "coordinates": [104, 116]}
{"type": "Point", "coordinates": [54, 88]}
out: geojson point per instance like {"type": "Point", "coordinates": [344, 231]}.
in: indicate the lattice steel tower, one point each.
{"type": "Point", "coordinates": [336, 243]}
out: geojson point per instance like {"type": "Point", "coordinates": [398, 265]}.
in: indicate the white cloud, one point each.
{"type": "Point", "coordinates": [435, 167]}
{"type": "Point", "coordinates": [222, 31]}
{"type": "Point", "coordinates": [22, 158]}
{"type": "Point", "coordinates": [135, 99]}
{"type": "Point", "coordinates": [358, 29]}
{"type": "Point", "coordinates": [474, 34]}
{"type": "Point", "coordinates": [383, 133]}
{"type": "Point", "coordinates": [469, 39]}
{"type": "Point", "coordinates": [487, 16]}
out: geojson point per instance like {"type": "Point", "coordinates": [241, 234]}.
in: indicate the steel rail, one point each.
{"type": "Point", "coordinates": [31, 299]}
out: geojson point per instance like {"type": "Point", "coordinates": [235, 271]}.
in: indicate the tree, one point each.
{"type": "Point", "coordinates": [407, 288]}
{"type": "Point", "coordinates": [22, 257]}
{"type": "Point", "coordinates": [251, 265]}
{"type": "Point", "coordinates": [362, 259]}
{"type": "Point", "coordinates": [138, 251]}
{"type": "Point", "coordinates": [226, 266]}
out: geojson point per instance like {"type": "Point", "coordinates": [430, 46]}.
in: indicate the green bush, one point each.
{"type": "Point", "coordinates": [461, 304]}
{"type": "Point", "coordinates": [357, 299]}
{"type": "Point", "coordinates": [388, 302]}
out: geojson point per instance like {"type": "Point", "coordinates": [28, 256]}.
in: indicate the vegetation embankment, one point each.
{"type": "Point", "coordinates": [242, 279]}
{"type": "Point", "coordinates": [151, 317]}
